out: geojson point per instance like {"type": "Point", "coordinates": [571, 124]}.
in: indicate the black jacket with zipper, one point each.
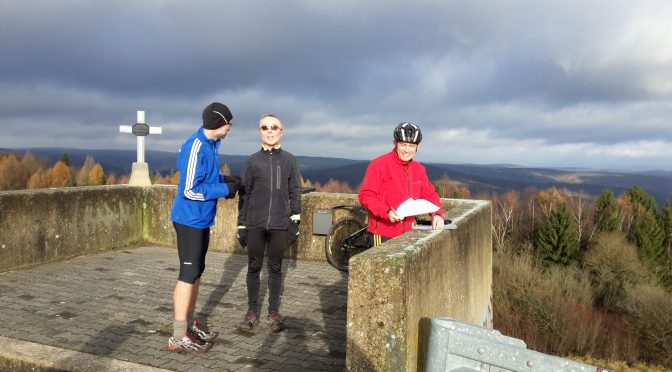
{"type": "Point", "coordinates": [271, 190]}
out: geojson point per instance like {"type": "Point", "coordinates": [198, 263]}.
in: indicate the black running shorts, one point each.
{"type": "Point", "coordinates": [192, 245]}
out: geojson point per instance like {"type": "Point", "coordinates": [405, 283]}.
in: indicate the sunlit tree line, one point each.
{"type": "Point", "coordinates": [29, 172]}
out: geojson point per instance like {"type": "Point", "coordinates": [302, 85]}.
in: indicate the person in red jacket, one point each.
{"type": "Point", "coordinates": [392, 179]}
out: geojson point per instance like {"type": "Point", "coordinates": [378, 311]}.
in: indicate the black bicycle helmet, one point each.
{"type": "Point", "coordinates": [407, 132]}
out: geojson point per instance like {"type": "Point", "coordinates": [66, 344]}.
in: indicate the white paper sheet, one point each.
{"type": "Point", "coordinates": [415, 207]}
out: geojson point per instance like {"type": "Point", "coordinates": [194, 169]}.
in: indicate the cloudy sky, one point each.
{"type": "Point", "coordinates": [536, 83]}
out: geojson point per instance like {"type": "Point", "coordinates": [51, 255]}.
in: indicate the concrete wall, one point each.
{"type": "Point", "coordinates": [159, 229]}
{"type": "Point", "coordinates": [40, 226]}
{"type": "Point", "coordinates": [395, 289]}
{"type": "Point", "coordinates": [46, 225]}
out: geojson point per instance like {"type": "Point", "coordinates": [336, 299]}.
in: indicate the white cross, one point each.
{"type": "Point", "coordinates": [140, 129]}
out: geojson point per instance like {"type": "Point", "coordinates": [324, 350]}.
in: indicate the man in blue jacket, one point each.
{"type": "Point", "coordinates": [193, 214]}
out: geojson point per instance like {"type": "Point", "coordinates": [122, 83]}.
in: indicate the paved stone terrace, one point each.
{"type": "Point", "coordinates": [118, 305]}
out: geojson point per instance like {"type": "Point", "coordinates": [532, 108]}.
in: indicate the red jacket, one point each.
{"type": "Point", "coordinates": [389, 181]}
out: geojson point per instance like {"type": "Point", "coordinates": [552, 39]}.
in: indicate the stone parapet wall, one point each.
{"type": "Point", "coordinates": [159, 228]}
{"type": "Point", "coordinates": [395, 289]}
{"type": "Point", "coordinates": [46, 225]}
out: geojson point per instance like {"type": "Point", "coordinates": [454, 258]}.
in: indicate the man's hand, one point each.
{"type": "Point", "coordinates": [437, 222]}
{"type": "Point", "coordinates": [233, 183]}
{"type": "Point", "coordinates": [293, 229]}
{"type": "Point", "coordinates": [393, 216]}
{"type": "Point", "coordinates": [241, 234]}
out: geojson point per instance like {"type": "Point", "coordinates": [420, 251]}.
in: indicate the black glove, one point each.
{"type": "Point", "coordinates": [241, 234]}
{"type": "Point", "coordinates": [293, 231]}
{"type": "Point", "coordinates": [233, 179]}
{"type": "Point", "coordinates": [233, 183]}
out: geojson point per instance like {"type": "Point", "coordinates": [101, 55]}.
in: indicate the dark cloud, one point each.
{"type": "Point", "coordinates": [536, 78]}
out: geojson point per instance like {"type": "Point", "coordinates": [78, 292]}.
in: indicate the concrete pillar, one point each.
{"type": "Point", "coordinates": [140, 175]}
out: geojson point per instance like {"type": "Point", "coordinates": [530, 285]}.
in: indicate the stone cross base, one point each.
{"type": "Point", "coordinates": [140, 175]}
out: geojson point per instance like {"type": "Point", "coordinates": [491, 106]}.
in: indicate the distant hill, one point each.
{"type": "Point", "coordinates": [478, 178]}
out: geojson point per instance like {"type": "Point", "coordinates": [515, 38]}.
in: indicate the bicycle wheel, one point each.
{"type": "Point", "coordinates": [338, 254]}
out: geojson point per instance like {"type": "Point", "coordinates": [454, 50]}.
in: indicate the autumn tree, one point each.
{"type": "Point", "coordinates": [9, 173]}
{"type": "Point", "coordinates": [59, 175]}
{"type": "Point", "coordinates": [82, 175]}
{"type": "Point", "coordinates": [443, 185]}
{"type": "Point", "coordinates": [335, 186]}
{"type": "Point", "coordinates": [626, 212]}
{"type": "Point", "coordinates": [556, 241]}
{"type": "Point", "coordinates": [111, 179]}
{"type": "Point", "coordinates": [451, 189]}
{"type": "Point", "coordinates": [505, 210]}
{"type": "Point", "coordinates": [29, 165]}
{"type": "Point", "coordinates": [529, 215]}
{"type": "Point", "coordinates": [37, 180]}
{"type": "Point", "coordinates": [547, 200]}
{"type": "Point", "coordinates": [96, 175]}
{"type": "Point", "coordinates": [225, 170]}
{"type": "Point", "coordinates": [175, 178]}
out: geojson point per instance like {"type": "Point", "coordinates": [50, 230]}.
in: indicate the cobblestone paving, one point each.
{"type": "Point", "coordinates": [119, 304]}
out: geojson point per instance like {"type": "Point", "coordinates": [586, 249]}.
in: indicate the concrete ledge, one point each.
{"type": "Point", "coordinates": [396, 288]}
{"type": "Point", "coordinates": [17, 355]}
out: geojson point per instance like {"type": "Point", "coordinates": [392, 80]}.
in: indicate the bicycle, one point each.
{"type": "Point", "coordinates": [347, 237]}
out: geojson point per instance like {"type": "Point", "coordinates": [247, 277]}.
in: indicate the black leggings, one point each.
{"type": "Point", "coordinates": [192, 245]}
{"type": "Point", "coordinates": [257, 241]}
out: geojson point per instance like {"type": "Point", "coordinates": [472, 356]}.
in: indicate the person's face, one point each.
{"type": "Point", "coordinates": [222, 131]}
{"type": "Point", "coordinates": [270, 130]}
{"type": "Point", "coordinates": [405, 150]}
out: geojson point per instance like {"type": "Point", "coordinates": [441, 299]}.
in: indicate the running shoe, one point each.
{"type": "Point", "coordinates": [275, 321]}
{"type": "Point", "coordinates": [201, 330]}
{"type": "Point", "coordinates": [188, 344]}
{"type": "Point", "coordinates": [250, 320]}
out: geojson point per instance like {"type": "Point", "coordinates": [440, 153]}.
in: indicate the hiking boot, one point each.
{"type": "Point", "coordinates": [275, 321]}
{"type": "Point", "coordinates": [188, 344]}
{"type": "Point", "coordinates": [250, 320]}
{"type": "Point", "coordinates": [202, 332]}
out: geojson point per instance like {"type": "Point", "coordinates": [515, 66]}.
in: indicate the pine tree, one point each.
{"type": "Point", "coordinates": [665, 219]}
{"type": "Point", "coordinates": [648, 236]}
{"type": "Point", "coordinates": [606, 212]}
{"type": "Point", "coordinates": [639, 196]}
{"type": "Point", "coordinates": [556, 241]}
{"type": "Point", "coordinates": [65, 159]}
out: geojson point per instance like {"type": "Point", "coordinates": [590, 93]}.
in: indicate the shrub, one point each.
{"type": "Point", "coordinates": [551, 310]}
{"type": "Point", "coordinates": [650, 308]}
{"type": "Point", "coordinates": [612, 264]}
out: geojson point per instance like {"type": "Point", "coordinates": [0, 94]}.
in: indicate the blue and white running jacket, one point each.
{"type": "Point", "coordinates": [200, 183]}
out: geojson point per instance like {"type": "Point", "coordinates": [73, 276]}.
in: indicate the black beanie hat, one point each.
{"type": "Point", "coordinates": [216, 115]}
